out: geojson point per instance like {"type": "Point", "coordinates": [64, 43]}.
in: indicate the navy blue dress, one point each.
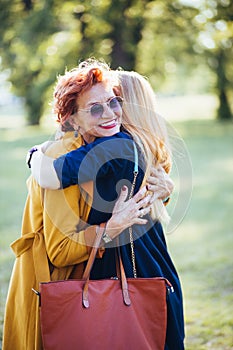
{"type": "Point", "coordinates": [109, 162]}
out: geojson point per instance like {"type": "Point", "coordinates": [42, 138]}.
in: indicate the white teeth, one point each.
{"type": "Point", "coordinates": [108, 123]}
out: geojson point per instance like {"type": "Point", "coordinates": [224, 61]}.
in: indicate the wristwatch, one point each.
{"type": "Point", "coordinates": [29, 156]}
{"type": "Point", "coordinates": [106, 238]}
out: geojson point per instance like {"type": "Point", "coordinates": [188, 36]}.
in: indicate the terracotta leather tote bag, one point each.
{"type": "Point", "coordinates": [108, 314]}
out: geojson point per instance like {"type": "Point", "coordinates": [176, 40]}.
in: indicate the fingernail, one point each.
{"type": "Point", "coordinates": [124, 188]}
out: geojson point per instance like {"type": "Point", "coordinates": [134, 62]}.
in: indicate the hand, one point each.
{"type": "Point", "coordinates": [44, 146]}
{"type": "Point", "coordinates": [160, 183]}
{"type": "Point", "coordinates": [128, 212]}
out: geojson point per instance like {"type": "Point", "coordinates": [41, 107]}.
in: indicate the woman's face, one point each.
{"type": "Point", "coordinates": [93, 120]}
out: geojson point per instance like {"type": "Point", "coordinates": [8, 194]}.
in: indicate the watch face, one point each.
{"type": "Point", "coordinates": [106, 238]}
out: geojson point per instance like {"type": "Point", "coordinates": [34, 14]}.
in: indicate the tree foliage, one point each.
{"type": "Point", "coordinates": [40, 39]}
{"type": "Point", "coordinates": [215, 43]}
{"type": "Point", "coordinates": [167, 40]}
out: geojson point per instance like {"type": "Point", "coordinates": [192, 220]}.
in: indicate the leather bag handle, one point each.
{"type": "Point", "coordinates": [87, 272]}
{"type": "Point", "coordinates": [124, 284]}
{"type": "Point", "coordinates": [90, 262]}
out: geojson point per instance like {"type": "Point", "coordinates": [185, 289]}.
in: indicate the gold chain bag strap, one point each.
{"type": "Point", "coordinates": [135, 173]}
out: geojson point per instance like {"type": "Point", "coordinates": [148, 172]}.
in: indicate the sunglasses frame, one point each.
{"type": "Point", "coordinates": [99, 114]}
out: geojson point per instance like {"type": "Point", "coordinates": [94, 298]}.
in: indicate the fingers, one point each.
{"type": "Point", "coordinates": [159, 183]}
{"type": "Point", "coordinates": [142, 212]}
{"type": "Point", "coordinates": [140, 194]}
{"type": "Point", "coordinates": [144, 202]}
{"type": "Point", "coordinates": [152, 180]}
{"type": "Point", "coordinates": [123, 195]}
{"type": "Point", "coordinates": [159, 192]}
{"type": "Point", "coordinates": [140, 221]}
{"type": "Point", "coordinates": [129, 212]}
{"type": "Point", "coordinates": [163, 190]}
{"type": "Point", "coordinates": [154, 172]}
{"type": "Point", "coordinates": [157, 176]}
{"type": "Point", "coordinates": [153, 198]}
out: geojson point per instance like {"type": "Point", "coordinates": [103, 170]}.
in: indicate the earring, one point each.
{"type": "Point", "coordinates": [76, 131]}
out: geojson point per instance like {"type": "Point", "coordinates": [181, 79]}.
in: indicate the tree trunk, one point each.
{"type": "Point", "coordinates": [27, 5]}
{"type": "Point", "coordinates": [34, 109]}
{"type": "Point", "coordinates": [224, 110]}
{"type": "Point", "coordinates": [125, 34]}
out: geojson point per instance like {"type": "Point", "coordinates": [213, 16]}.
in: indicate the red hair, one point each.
{"type": "Point", "coordinates": [69, 87]}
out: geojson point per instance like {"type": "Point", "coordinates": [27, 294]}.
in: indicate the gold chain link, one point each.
{"type": "Point", "coordinates": [131, 231]}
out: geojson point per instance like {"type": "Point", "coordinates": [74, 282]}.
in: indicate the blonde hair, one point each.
{"type": "Point", "coordinates": [147, 128]}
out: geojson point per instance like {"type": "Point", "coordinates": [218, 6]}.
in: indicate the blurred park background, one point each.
{"type": "Point", "coordinates": [185, 48]}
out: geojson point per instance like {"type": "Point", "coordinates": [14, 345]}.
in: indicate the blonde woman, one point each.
{"type": "Point", "coordinates": [106, 161]}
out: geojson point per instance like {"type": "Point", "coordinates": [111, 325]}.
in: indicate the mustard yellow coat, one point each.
{"type": "Point", "coordinates": [48, 226]}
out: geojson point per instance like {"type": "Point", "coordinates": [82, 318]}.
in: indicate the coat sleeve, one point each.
{"type": "Point", "coordinates": [58, 213]}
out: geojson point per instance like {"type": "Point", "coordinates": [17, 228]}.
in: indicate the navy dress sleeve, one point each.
{"type": "Point", "coordinates": [102, 157]}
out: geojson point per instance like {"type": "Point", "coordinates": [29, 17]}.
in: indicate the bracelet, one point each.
{"type": "Point", "coordinates": [29, 156]}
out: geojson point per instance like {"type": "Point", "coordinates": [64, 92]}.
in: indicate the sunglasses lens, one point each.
{"type": "Point", "coordinates": [116, 102]}
{"type": "Point", "coordinates": [97, 110]}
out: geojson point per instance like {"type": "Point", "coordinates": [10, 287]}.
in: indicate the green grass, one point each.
{"type": "Point", "coordinates": [201, 245]}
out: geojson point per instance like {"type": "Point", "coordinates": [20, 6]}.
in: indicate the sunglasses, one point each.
{"type": "Point", "coordinates": [97, 109]}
